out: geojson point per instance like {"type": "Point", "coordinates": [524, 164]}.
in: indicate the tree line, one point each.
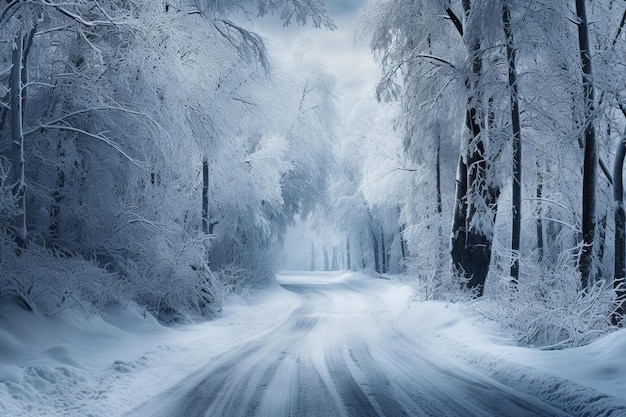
{"type": "Point", "coordinates": [151, 152]}
{"type": "Point", "coordinates": [503, 153]}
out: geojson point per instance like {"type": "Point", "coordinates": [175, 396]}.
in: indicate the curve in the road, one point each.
{"type": "Point", "coordinates": [339, 355]}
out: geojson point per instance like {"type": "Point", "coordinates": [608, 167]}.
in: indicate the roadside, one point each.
{"type": "Point", "coordinates": [75, 366]}
{"type": "Point", "coordinates": [69, 365]}
{"type": "Point", "coordinates": [584, 381]}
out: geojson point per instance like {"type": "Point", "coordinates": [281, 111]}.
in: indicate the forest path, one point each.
{"type": "Point", "coordinates": [339, 354]}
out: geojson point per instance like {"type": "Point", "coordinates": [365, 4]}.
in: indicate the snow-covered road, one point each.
{"type": "Point", "coordinates": [339, 354]}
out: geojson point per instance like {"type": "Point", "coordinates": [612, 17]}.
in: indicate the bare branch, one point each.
{"type": "Point", "coordinates": [250, 42]}
{"type": "Point", "coordinates": [620, 28]}
{"type": "Point", "coordinates": [6, 9]}
{"type": "Point", "coordinates": [436, 59]}
{"type": "Point", "coordinates": [455, 19]}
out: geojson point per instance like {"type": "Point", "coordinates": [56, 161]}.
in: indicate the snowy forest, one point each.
{"type": "Point", "coordinates": [158, 156]}
{"type": "Point", "coordinates": [154, 153]}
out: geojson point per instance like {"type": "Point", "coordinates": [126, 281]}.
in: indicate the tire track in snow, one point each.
{"type": "Point", "coordinates": [339, 355]}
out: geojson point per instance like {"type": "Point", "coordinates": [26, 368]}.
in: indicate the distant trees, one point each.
{"type": "Point", "coordinates": [364, 190]}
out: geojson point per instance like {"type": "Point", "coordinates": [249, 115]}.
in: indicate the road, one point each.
{"type": "Point", "coordinates": [339, 354]}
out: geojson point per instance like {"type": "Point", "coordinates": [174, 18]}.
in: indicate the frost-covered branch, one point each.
{"type": "Point", "coordinates": [100, 137]}
{"type": "Point", "coordinates": [249, 43]}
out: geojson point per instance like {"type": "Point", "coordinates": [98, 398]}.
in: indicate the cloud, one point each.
{"type": "Point", "coordinates": [344, 8]}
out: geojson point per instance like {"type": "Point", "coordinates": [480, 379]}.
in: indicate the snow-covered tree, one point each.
{"type": "Point", "coordinates": [124, 109]}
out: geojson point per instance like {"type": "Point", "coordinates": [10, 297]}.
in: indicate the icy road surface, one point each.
{"type": "Point", "coordinates": [339, 354]}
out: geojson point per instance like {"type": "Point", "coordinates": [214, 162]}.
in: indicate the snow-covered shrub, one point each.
{"type": "Point", "coordinates": [236, 278]}
{"type": "Point", "coordinates": [169, 276]}
{"type": "Point", "coordinates": [549, 309]}
{"type": "Point", "coordinates": [434, 284]}
{"type": "Point", "coordinates": [46, 280]}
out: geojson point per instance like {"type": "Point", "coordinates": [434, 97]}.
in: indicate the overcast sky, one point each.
{"type": "Point", "coordinates": [352, 65]}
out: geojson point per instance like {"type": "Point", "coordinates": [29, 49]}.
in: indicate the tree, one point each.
{"type": "Point", "coordinates": [435, 57]}
{"type": "Point", "coordinates": [517, 143]}
{"type": "Point", "coordinates": [145, 135]}
{"type": "Point", "coordinates": [619, 274]}
{"type": "Point", "coordinates": [17, 137]}
{"type": "Point", "coordinates": [590, 149]}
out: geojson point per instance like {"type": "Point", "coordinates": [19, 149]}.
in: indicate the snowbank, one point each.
{"type": "Point", "coordinates": [105, 366]}
{"type": "Point", "coordinates": [584, 381]}
{"type": "Point", "coordinates": [96, 366]}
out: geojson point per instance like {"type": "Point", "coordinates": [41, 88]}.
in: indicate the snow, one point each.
{"type": "Point", "coordinates": [579, 380]}
{"type": "Point", "coordinates": [74, 365]}
{"type": "Point", "coordinates": [77, 366]}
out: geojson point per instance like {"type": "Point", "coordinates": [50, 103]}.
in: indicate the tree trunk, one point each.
{"type": "Point", "coordinates": [438, 179]}
{"type": "Point", "coordinates": [403, 248]}
{"type": "Point", "coordinates": [619, 273]}
{"type": "Point", "coordinates": [326, 263]}
{"type": "Point", "coordinates": [17, 138]}
{"type": "Point", "coordinates": [517, 146]}
{"type": "Point", "coordinates": [477, 256]}
{"type": "Point", "coordinates": [205, 197]}
{"type": "Point", "coordinates": [471, 247]}
{"type": "Point", "coordinates": [402, 242]}
{"type": "Point", "coordinates": [459, 222]}
{"type": "Point", "coordinates": [539, 225]}
{"type": "Point", "coordinates": [440, 238]}
{"type": "Point", "coordinates": [590, 154]}
{"type": "Point", "coordinates": [376, 250]}
{"type": "Point", "coordinates": [312, 256]}
{"type": "Point", "coordinates": [362, 254]}
{"type": "Point", "coordinates": [334, 266]}
{"type": "Point", "coordinates": [383, 252]}
{"type": "Point", "coordinates": [478, 245]}
{"type": "Point", "coordinates": [599, 244]}
{"type": "Point", "coordinates": [348, 264]}
{"type": "Point", "coordinates": [458, 244]}
{"type": "Point", "coordinates": [55, 209]}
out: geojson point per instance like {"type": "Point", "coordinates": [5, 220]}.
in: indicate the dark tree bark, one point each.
{"type": "Point", "coordinates": [458, 242]}
{"type": "Point", "coordinates": [471, 247]}
{"type": "Point", "coordinates": [476, 255]}
{"type": "Point", "coordinates": [539, 224]}
{"type": "Point", "coordinates": [403, 251]}
{"type": "Point", "coordinates": [599, 244]}
{"type": "Point", "coordinates": [516, 232]}
{"type": "Point", "coordinates": [438, 177]}
{"type": "Point", "coordinates": [590, 161]}
{"type": "Point", "coordinates": [205, 196]}
{"type": "Point", "coordinates": [459, 222]}
{"type": "Point", "coordinates": [440, 237]}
